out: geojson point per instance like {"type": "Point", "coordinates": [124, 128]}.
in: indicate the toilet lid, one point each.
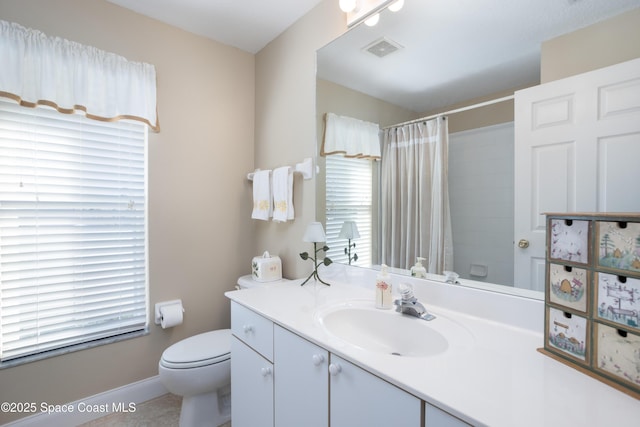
{"type": "Point", "coordinates": [199, 350]}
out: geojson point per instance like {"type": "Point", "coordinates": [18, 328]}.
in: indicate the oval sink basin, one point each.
{"type": "Point", "coordinates": [389, 332]}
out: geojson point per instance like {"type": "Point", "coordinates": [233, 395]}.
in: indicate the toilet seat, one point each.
{"type": "Point", "coordinates": [199, 350]}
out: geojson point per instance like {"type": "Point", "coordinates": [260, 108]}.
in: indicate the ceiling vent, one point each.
{"type": "Point", "coordinates": [382, 47]}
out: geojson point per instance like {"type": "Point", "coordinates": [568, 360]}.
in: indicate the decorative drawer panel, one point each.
{"type": "Point", "coordinates": [618, 355]}
{"type": "Point", "coordinates": [568, 286]}
{"type": "Point", "coordinates": [618, 300]}
{"type": "Point", "coordinates": [619, 246]}
{"type": "Point", "coordinates": [567, 334]}
{"type": "Point", "coordinates": [569, 240]}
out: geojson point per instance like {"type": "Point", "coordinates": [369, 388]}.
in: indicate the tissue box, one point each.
{"type": "Point", "coordinates": [266, 268]}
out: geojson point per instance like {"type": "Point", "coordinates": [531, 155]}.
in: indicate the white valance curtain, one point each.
{"type": "Point", "coordinates": [350, 137]}
{"type": "Point", "coordinates": [42, 70]}
{"type": "Point", "coordinates": [415, 219]}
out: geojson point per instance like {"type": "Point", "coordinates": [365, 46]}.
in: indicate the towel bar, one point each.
{"type": "Point", "coordinates": [305, 168]}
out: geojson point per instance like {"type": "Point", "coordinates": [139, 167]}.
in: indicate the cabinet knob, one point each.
{"type": "Point", "coordinates": [265, 371]}
{"type": "Point", "coordinates": [317, 359]}
{"type": "Point", "coordinates": [335, 369]}
{"type": "Point", "coordinates": [247, 329]}
{"type": "Point", "coordinates": [523, 244]}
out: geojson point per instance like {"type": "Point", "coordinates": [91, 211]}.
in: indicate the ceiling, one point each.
{"type": "Point", "coordinates": [456, 50]}
{"type": "Point", "coordinates": [246, 24]}
{"type": "Point", "coordinates": [452, 50]}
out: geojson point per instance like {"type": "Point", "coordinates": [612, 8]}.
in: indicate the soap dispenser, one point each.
{"type": "Point", "coordinates": [418, 270]}
{"type": "Point", "coordinates": [383, 289]}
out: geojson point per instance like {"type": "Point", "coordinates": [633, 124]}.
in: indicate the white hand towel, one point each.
{"type": "Point", "coordinates": [262, 208]}
{"type": "Point", "coordinates": [283, 194]}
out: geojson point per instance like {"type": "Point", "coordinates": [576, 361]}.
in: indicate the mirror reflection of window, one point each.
{"type": "Point", "coordinates": [349, 188]}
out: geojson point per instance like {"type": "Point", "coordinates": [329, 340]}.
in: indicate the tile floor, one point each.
{"type": "Point", "coordinates": [163, 411]}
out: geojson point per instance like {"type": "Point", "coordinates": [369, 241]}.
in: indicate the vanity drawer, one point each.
{"type": "Point", "coordinates": [569, 240]}
{"type": "Point", "coordinates": [567, 334]}
{"type": "Point", "coordinates": [616, 355]}
{"type": "Point", "coordinates": [618, 300]}
{"type": "Point", "coordinates": [619, 247]}
{"type": "Point", "coordinates": [253, 329]}
{"type": "Point", "coordinates": [568, 286]}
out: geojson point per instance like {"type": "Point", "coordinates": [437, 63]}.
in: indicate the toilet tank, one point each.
{"type": "Point", "coordinates": [247, 282]}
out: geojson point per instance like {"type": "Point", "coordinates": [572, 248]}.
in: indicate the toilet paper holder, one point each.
{"type": "Point", "coordinates": [159, 305]}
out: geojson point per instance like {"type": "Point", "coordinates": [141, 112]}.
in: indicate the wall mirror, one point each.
{"type": "Point", "coordinates": [432, 57]}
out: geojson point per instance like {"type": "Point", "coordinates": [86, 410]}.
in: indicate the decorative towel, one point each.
{"type": "Point", "coordinates": [262, 195]}
{"type": "Point", "coordinates": [283, 194]}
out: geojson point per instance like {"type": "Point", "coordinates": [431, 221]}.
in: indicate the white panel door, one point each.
{"type": "Point", "coordinates": [577, 149]}
{"type": "Point", "coordinates": [302, 387]}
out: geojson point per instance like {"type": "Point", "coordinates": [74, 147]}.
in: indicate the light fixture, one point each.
{"type": "Point", "coordinates": [348, 5]}
{"type": "Point", "coordinates": [315, 234]}
{"type": "Point", "coordinates": [396, 6]}
{"type": "Point", "coordinates": [372, 20]}
{"type": "Point", "coordinates": [349, 231]}
{"type": "Point", "coordinates": [359, 11]}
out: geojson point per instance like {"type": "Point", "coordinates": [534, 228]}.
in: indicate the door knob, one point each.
{"type": "Point", "coordinates": [335, 369]}
{"type": "Point", "coordinates": [317, 359]}
{"type": "Point", "coordinates": [523, 244]}
{"type": "Point", "coordinates": [265, 372]}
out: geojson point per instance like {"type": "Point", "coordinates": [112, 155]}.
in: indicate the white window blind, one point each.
{"type": "Point", "coordinates": [349, 189]}
{"type": "Point", "coordinates": [73, 263]}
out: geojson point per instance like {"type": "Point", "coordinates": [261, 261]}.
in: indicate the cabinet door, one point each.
{"type": "Point", "coordinates": [251, 387]}
{"type": "Point", "coordinates": [436, 417]}
{"type": "Point", "coordinates": [302, 383]}
{"type": "Point", "coordinates": [359, 398]}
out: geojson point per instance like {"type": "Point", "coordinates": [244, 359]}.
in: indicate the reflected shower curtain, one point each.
{"type": "Point", "coordinates": [415, 219]}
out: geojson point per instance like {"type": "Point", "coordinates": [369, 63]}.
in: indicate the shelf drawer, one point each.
{"type": "Point", "coordinates": [569, 286]}
{"type": "Point", "coordinates": [569, 240]}
{"type": "Point", "coordinates": [617, 353]}
{"type": "Point", "coordinates": [253, 329]}
{"type": "Point", "coordinates": [619, 247]}
{"type": "Point", "coordinates": [618, 300]}
{"type": "Point", "coordinates": [567, 334]}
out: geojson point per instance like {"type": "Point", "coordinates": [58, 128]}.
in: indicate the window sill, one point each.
{"type": "Point", "coordinates": [65, 350]}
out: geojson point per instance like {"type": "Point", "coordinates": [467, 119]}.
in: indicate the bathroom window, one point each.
{"type": "Point", "coordinates": [73, 231]}
{"type": "Point", "coordinates": [349, 188]}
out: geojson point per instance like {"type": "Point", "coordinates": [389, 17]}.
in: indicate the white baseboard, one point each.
{"type": "Point", "coordinates": [121, 399]}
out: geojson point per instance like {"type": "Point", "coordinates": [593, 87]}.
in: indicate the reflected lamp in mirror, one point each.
{"type": "Point", "coordinates": [315, 234]}
{"type": "Point", "coordinates": [349, 231]}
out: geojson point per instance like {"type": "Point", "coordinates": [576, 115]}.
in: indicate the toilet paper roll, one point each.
{"type": "Point", "coordinates": [171, 315]}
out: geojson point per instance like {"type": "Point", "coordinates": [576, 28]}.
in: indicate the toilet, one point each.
{"type": "Point", "coordinates": [198, 368]}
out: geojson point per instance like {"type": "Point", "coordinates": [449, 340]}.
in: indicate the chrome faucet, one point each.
{"type": "Point", "coordinates": [408, 304]}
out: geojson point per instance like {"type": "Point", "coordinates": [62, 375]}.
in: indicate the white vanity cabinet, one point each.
{"type": "Point", "coordinates": [281, 379]}
{"type": "Point", "coordinates": [252, 372]}
{"type": "Point", "coordinates": [302, 383]}
{"type": "Point", "coordinates": [359, 398]}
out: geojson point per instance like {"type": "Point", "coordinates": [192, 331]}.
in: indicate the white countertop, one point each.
{"type": "Point", "coordinates": [497, 380]}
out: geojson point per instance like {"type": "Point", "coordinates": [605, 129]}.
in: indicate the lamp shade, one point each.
{"type": "Point", "coordinates": [314, 233]}
{"type": "Point", "coordinates": [349, 230]}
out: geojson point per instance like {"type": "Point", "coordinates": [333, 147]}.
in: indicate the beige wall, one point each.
{"type": "Point", "coordinates": [286, 127]}
{"type": "Point", "coordinates": [606, 43]}
{"type": "Point", "coordinates": [200, 232]}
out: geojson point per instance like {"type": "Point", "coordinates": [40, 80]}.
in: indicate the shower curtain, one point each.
{"type": "Point", "coordinates": [415, 219]}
